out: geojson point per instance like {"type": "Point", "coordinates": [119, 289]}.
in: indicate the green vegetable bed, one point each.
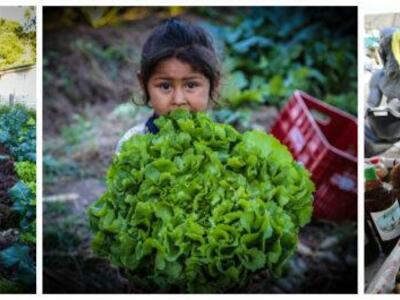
{"type": "Point", "coordinates": [199, 207]}
{"type": "Point", "coordinates": [17, 200]}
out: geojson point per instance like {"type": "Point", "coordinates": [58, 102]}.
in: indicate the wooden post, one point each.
{"type": "Point", "coordinates": [11, 99]}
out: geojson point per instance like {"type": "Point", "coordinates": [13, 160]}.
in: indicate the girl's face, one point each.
{"type": "Point", "coordinates": [174, 84]}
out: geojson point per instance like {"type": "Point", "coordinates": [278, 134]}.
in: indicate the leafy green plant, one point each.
{"type": "Point", "coordinates": [18, 133]}
{"type": "Point", "coordinates": [198, 207]}
{"type": "Point", "coordinates": [78, 131]}
{"type": "Point", "coordinates": [18, 190]}
{"type": "Point", "coordinates": [23, 194]}
{"type": "Point", "coordinates": [273, 51]}
{"type": "Point", "coordinates": [55, 169]}
{"type": "Point", "coordinates": [18, 257]}
{"type": "Point", "coordinates": [26, 171]}
{"type": "Point", "coordinates": [239, 119]}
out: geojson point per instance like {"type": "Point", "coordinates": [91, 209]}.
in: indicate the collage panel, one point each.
{"type": "Point", "coordinates": [17, 150]}
{"type": "Point", "coordinates": [382, 153]}
{"type": "Point", "coordinates": [199, 150]}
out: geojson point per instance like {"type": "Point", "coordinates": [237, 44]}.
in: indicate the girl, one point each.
{"type": "Point", "coordinates": [179, 69]}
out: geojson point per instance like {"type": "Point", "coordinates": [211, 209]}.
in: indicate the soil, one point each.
{"type": "Point", "coordinates": [80, 193]}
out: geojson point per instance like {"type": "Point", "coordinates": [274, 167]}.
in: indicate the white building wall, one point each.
{"type": "Point", "coordinates": [20, 84]}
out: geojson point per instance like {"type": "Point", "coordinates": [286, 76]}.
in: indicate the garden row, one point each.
{"type": "Point", "coordinates": [17, 200]}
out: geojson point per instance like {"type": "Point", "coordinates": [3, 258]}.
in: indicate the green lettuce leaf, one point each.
{"type": "Point", "coordinates": [198, 207]}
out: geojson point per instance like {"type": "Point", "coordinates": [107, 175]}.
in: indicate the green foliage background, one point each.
{"type": "Point", "coordinates": [17, 46]}
{"type": "Point", "coordinates": [270, 52]}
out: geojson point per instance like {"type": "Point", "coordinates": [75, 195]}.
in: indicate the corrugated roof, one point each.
{"type": "Point", "coordinates": [17, 68]}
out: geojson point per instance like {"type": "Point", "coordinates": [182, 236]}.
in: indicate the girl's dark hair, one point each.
{"type": "Point", "coordinates": [176, 38]}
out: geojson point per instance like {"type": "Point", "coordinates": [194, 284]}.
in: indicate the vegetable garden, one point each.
{"type": "Point", "coordinates": [17, 200]}
{"type": "Point", "coordinates": [17, 159]}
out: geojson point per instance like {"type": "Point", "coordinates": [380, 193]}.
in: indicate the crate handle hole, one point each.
{"type": "Point", "coordinates": [320, 117]}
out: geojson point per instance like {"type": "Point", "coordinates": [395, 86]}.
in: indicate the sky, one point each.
{"type": "Point", "coordinates": [15, 13]}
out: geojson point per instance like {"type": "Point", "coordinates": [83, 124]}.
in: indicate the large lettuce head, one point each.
{"type": "Point", "coordinates": [198, 207]}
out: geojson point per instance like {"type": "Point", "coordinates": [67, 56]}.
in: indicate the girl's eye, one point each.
{"type": "Point", "coordinates": [192, 85]}
{"type": "Point", "coordinates": [164, 86]}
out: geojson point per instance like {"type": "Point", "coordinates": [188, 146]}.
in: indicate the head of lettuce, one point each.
{"type": "Point", "coordinates": [198, 207]}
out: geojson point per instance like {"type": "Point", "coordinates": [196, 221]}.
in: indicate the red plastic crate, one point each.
{"type": "Point", "coordinates": [324, 139]}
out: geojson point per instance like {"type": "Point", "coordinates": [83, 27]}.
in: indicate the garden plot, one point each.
{"type": "Point", "coordinates": [17, 200]}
